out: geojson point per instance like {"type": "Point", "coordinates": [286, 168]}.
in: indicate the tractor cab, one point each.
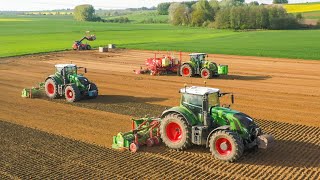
{"type": "Point", "coordinates": [198, 57]}
{"type": "Point", "coordinates": [199, 100]}
{"type": "Point", "coordinates": [68, 69]}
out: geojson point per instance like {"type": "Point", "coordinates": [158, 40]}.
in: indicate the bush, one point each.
{"type": "Point", "coordinates": [202, 12]}
{"type": "Point", "coordinates": [118, 20]}
{"type": "Point", "coordinates": [233, 14]}
{"type": "Point", "coordinates": [288, 22]}
{"type": "Point", "coordinates": [255, 17]}
{"type": "Point", "coordinates": [153, 21]}
{"type": "Point", "coordinates": [163, 8]}
{"type": "Point", "coordinates": [179, 14]}
{"type": "Point", "coordinates": [223, 19]}
{"type": "Point", "coordinates": [280, 2]}
{"type": "Point", "coordinates": [84, 12]}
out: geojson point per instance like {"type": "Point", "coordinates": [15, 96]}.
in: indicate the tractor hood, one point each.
{"type": "Point", "coordinates": [225, 115]}
{"type": "Point", "coordinates": [83, 80]}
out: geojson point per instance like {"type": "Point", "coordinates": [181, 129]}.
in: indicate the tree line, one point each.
{"type": "Point", "coordinates": [229, 14]}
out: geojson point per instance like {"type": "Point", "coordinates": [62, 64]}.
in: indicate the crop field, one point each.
{"type": "Point", "coordinates": [35, 34]}
{"type": "Point", "coordinates": [52, 139]}
{"type": "Point", "coordinates": [306, 7]}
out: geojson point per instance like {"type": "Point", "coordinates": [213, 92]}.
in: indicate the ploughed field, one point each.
{"type": "Point", "coordinates": [42, 138]}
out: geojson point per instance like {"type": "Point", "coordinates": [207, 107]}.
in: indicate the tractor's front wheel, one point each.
{"type": "Point", "coordinates": [186, 70]}
{"type": "Point", "coordinates": [226, 146]}
{"type": "Point", "coordinates": [206, 73]}
{"type": "Point", "coordinates": [72, 93]}
{"type": "Point", "coordinates": [51, 88]}
{"type": "Point", "coordinates": [88, 47]}
{"type": "Point", "coordinates": [175, 132]}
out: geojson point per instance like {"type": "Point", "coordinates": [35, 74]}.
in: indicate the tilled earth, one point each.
{"type": "Point", "coordinates": [42, 138]}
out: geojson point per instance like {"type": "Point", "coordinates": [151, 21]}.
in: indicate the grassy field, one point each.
{"type": "Point", "coordinates": [142, 16]}
{"type": "Point", "coordinates": [34, 34]}
{"type": "Point", "coordinates": [312, 15]}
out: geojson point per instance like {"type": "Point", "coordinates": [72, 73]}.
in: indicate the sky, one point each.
{"type": "Point", "coordinates": [33, 5]}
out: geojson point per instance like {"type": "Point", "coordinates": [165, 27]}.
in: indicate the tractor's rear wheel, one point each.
{"type": "Point", "coordinates": [72, 93]}
{"type": "Point", "coordinates": [51, 88]}
{"type": "Point", "coordinates": [206, 73]}
{"type": "Point", "coordinates": [186, 70]}
{"type": "Point", "coordinates": [175, 132]}
{"type": "Point", "coordinates": [226, 145]}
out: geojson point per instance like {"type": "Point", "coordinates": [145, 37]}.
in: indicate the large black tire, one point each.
{"type": "Point", "coordinates": [51, 88]}
{"type": "Point", "coordinates": [72, 93]}
{"type": "Point", "coordinates": [175, 132]}
{"type": "Point", "coordinates": [93, 86]}
{"type": "Point", "coordinates": [226, 145]}
{"type": "Point", "coordinates": [186, 70]}
{"type": "Point", "coordinates": [88, 47]}
{"type": "Point", "coordinates": [206, 73]}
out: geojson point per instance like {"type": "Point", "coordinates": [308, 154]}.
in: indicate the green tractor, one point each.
{"type": "Point", "coordinates": [199, 66]}
{"type": "Point", "coordinates": [67, 82]}
{"type": "Point", "coordinates": [200, 120]}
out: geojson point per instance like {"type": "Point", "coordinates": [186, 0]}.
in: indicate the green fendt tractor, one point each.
{"type": "Point", "coordinates": [199, 66]}
{"type": "Point", "coordinates": [67, 82]}
{"type": "Point", "coordinates": [200, 120]}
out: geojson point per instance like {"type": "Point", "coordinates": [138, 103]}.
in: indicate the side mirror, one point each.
{"type": "Point", "coordinates": [232, 98]}
{"type": "Point", "coordinates": [85, 70]}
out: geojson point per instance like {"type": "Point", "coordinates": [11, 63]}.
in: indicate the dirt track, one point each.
{"type": "Point", "coordinates": [285, 91]}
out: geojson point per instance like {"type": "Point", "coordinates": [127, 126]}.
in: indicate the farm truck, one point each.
{"type": "Point", "coordinates": [78, 45]}
{"type": "Point", "coordinates": [199, 66]}
{"type": "Point", "coordinates": [67, 82]}
{"type": "Point", "coordinates": [201, 120]}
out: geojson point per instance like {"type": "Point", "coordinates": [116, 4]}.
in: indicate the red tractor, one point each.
{"type": "Point", "coordinates": [78, 45]}
{"type": "Point", "coordinates": [157, 66]}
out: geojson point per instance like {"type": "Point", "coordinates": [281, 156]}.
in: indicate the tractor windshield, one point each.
{"type": "Point", "coordinates": [71, 70]}
{"type": "Point", "coordinates": [213, 99]}
{"type": "Point", "coordinates": [202, 57]}
{"type": "Point", "coordinates": [191, 99]}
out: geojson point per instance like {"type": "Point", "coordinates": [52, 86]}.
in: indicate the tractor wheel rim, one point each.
{"type": "Point", "coordinates": [69, 94]}
{"type": "Point", "coordinates": [50, 88]}
{"type": "Point", "coordinates": [205, 73]}
{"type": "Point", "coordinates": [174, 132]}
{"type": "Point", "coordinates": [133, 147]}
{"type": "Point", "coordinates": [186, 71]}
{"type": "Point", "coordinates": [223, 146]}
{"type": "Point", "coordinates": [150, 142]}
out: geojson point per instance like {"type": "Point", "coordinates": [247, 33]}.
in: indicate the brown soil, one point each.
{"type": "Point", "coordinates": [286, 92]}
